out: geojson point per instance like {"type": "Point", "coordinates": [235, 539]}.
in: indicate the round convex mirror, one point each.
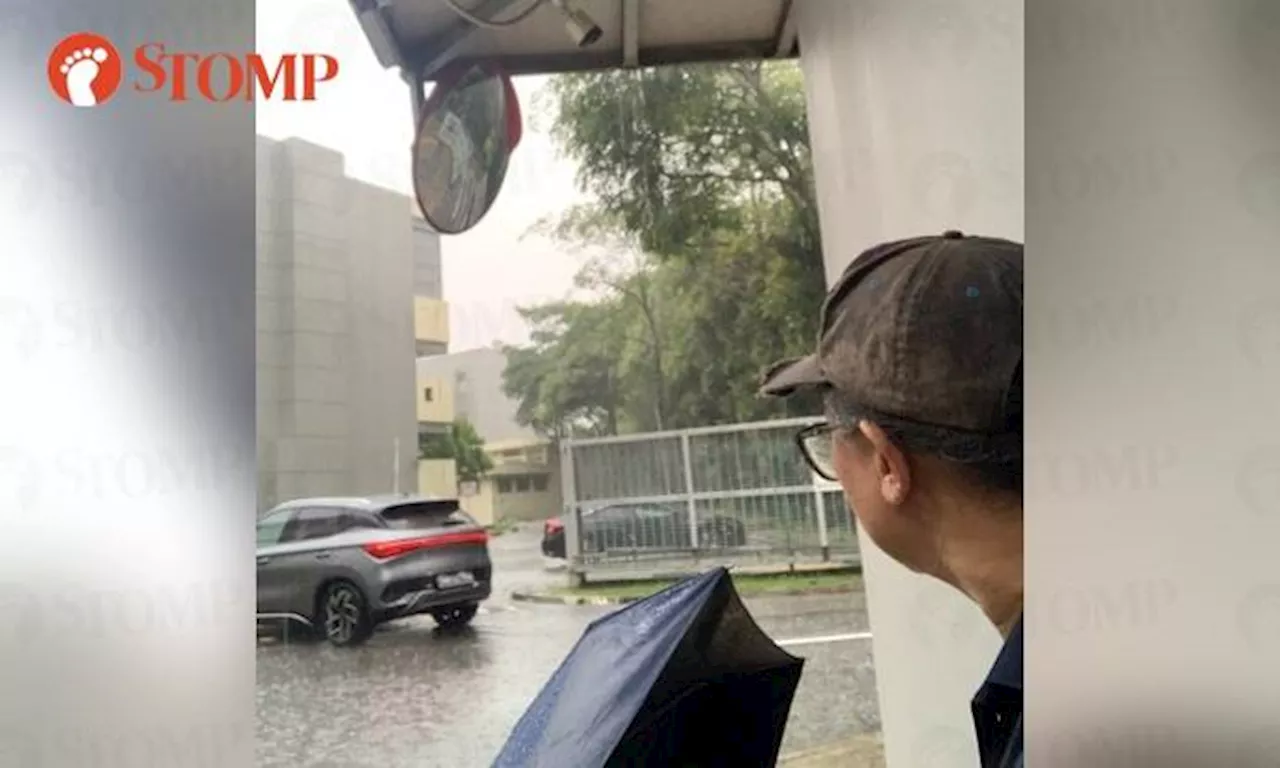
{"type": "Point", "coordinates": [468, 129]}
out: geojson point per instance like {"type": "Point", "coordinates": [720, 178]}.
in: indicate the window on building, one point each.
{"type": "Point", "coordinates": [427, 394]}
{"type": "Point", "coordinates": [522, 483]}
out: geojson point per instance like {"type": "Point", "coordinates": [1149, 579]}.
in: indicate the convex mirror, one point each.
{"type": "Point", "coordinates": [467, 130]}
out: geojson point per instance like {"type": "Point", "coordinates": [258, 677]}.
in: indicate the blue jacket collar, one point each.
{"type": "Point", "coordinates": [1007, 670]}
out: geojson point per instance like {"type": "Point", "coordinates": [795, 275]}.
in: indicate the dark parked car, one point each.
{"type": "Point", "coordinates": [341, 566]}
{"type": "Point", "coordinates": [643, 526]}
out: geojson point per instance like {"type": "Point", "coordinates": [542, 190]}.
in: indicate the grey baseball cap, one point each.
{"type": "Point", "coordinates": [927, 329]}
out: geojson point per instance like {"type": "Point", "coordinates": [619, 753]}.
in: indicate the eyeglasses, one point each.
{"type": "Point", "coordinates": [815, 444]}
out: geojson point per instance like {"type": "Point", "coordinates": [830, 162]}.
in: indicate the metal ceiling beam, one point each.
{"type": "Point", "coordinates": [630, 33]}
{"type": "Point", "coordinates": [788, 31]}
{"type": "Point", "coordinates": [421, 62]}
{"type": "Point", "coordinates": [446, 46]}
{"type": "Point", "coordinates": [580, 61]}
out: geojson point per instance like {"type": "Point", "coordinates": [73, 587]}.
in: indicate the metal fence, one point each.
{"type": "Point", "coordinates": [665, 503]}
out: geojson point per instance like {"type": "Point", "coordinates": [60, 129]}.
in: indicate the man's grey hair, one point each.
{"type": "Point", "coordinates": [995, 460]}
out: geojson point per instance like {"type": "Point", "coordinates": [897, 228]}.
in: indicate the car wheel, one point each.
{"type": "Point", "coordinates": [455, 615]}
{"type": "Point", "coordinates": [344, 615]}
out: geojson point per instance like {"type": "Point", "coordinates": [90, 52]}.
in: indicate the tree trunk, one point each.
{"type": "Point", "coordinates": [660, 405]}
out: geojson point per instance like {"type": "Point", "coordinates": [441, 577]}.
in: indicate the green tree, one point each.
{"type": "Point", "coordinates": [461, 443]}
{"type": "Point", "coordinates": [629, 289]}
{"type": "Point", "coordinates": [567, 380]}
{"type": "Point", "coordinates": [675, 156]}
{"type": "Point", "coordinates": [701, 192]}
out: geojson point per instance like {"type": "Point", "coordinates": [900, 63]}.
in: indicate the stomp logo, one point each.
{"type": "Point", "coordinates": [86, 69]}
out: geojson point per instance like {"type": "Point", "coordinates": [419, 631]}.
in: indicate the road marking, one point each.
{"type": "Point", "coordinates": [825, 639]}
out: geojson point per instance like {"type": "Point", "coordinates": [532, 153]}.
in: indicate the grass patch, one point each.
{"type": "Point", "coordinates": [748, 585]}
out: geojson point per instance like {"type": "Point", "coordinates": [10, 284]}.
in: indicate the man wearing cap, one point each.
{"type": "Point", "coordinates": [919, 360]}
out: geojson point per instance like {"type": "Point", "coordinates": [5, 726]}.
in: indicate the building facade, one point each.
{"type": "Point", "coordinates": [434, 396]}
{"type": "Point", "coordinates": [335, 329]}
{"type": "Point", "coordinates": [474, 378]}
{"type": "Point", "coordinates": [430, 311]}
{"type": "Point", "coordinates": [524, 483]}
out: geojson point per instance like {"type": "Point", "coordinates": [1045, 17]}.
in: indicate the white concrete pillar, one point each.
{"type": "Point", "coordinates": [916, 117]}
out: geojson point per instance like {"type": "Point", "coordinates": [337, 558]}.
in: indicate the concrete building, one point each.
{"type": "Point", "coordinates": [336, 329]}
{"type": "Point", "coordinates": [430, 311]}
{"type": "Point", "coordinates": [525, 481]}
{"type": "Point", "coordinates": [434, 396]}
{"type": "Point", "coordinates": [475, 380]}
{"type": "Point", "coordinates": [523, 485]}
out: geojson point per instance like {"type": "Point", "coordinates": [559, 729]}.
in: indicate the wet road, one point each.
{"type": "Point", "coordinates": [414, 696]}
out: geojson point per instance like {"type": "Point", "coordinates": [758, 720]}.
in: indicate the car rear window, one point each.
{"type": "Point", "coordinates": [426, 514]}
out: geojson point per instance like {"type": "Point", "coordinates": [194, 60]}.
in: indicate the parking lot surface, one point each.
{"type": "Point", "coordinates": [414, 696]}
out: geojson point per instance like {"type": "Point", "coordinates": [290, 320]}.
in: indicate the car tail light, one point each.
{"type": "Point", "coordinates": [552, 525]}
{"type": "Point", "coordinates": [384, 550]}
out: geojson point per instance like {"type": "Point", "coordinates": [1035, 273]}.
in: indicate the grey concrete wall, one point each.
{"type": "Point", "coordinates": [335, 328]}
{"type": "Point", "coordinates": [428, 272]}
{"type": "Point", "coordinates": [430, 348]}
{"type": "Point", "coordinates": [877, 73]}
{"type": "Point", "coordinates": [477, 391]}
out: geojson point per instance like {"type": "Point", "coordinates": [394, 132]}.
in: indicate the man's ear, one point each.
{"type": "Point", "coordinates": [891, 465]}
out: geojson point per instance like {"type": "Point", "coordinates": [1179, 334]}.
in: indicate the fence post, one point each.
{"type": "Point", "coordinates": [820, 504]}
{"type": "Point", "coordinates": [691, 505]}
{"type": "Point", "coordinates": [570, 515]}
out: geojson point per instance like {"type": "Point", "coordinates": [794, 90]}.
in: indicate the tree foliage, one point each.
{"type": "Point", "coordinates": [462, 444]}
{"type": "Point", "coordinates": [701, 190]}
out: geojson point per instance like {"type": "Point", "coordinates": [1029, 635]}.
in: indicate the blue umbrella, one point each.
{"type": "Point", "coordinates": [682, 678]}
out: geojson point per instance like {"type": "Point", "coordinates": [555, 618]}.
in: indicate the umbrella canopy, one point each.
{"type": "Point", "coordinates": [682, 678]}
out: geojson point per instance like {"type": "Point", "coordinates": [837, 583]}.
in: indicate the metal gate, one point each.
{"type": "Point", "coordinates": [669, 503]}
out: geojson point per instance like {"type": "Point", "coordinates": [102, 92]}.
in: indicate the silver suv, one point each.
{"type": "Point", "coordinates": [341, 566]}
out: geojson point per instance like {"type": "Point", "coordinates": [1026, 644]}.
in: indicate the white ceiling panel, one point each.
{"type": "Point", "coordinates": [428, 33]}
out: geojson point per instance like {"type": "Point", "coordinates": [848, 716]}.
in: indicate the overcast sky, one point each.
{"type": "Point", "coordinates": [365, 114]}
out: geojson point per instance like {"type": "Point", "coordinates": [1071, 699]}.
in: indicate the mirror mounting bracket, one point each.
{"type": "Point", "coordinates": [448, 44]}
{"type": "Point", "coordinates": [369, 13]}
{"type": "Point", "coordinates": [417, 91]}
